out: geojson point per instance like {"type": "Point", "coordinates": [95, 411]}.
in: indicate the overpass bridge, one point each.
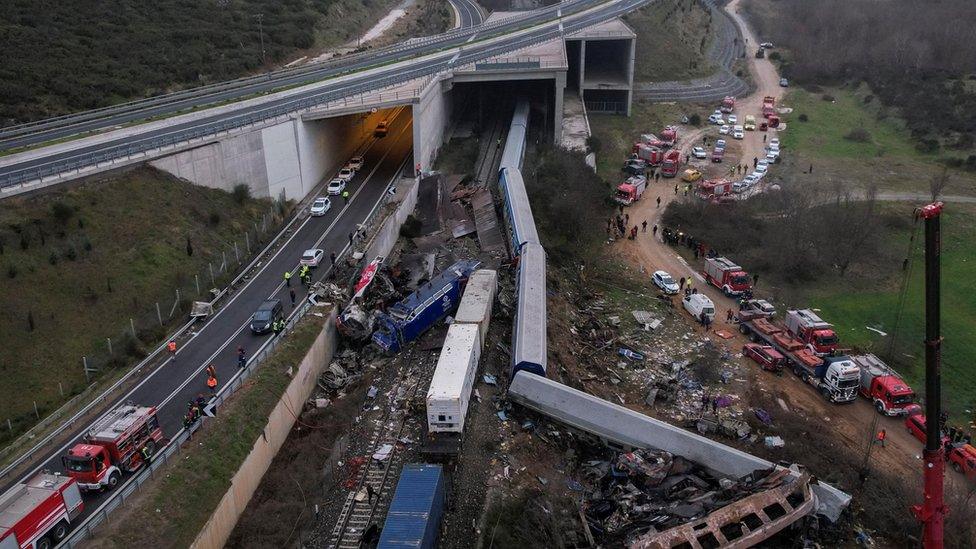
{"type": "Point", "coordinates": [275, 132]}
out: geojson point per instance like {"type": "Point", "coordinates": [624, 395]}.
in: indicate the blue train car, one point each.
{"type": "Point", "coordinates": [414, 518]}
{"type": "Point", "coordinates": [409, 319]}
{"type": "Point", "coordinates": [529, 339]}
{"type": "Point", "coordinates": [518, 213]}
{"type": "Point", "coordinates": [514, 150]}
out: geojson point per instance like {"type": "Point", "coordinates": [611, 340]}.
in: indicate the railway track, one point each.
{"type": "Point", "coordinates": [359, 512]}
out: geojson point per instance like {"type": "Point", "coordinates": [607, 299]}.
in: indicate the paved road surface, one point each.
{"type": "Point", "coordinates": [469, 12]}
{"type": "Point", "coordinates": [177, 382]}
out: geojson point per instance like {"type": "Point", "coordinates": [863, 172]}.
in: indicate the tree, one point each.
{"type": "Point", "coordinates": [938, 183]}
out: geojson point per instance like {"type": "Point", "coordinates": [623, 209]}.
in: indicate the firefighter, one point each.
{"type": "Point", "coordinates": [171, 347]}
{"type": "Point", "coordinates": [211, 370]}
{"type": "Point", "coordinates": [345, 197]}
{"type": "Point", "coordinates": [278, 326]}
{"type": "Point", "coordinates": [880, 438]}
{"type": "Point", "coordinates": [287, 278]}
{"type": "Point", "coordinates": [146, 454]}
{"type": "Point", "coordinates": [212, 384]}
{"type": "Point", "coordinates": [241, 357]}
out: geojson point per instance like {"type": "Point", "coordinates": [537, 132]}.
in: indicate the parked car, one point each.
{"type": "Point", "coordinates": [691, 175]}
{"type": "Point", "coordinates": [336, 186]}
{"type": "Point", "coordinates": [762, 167]}
{"type": "Point", "coordinates": [716, 118]}
{"type": "Point", "coordinates": [312, 257]}
{"type": "Point", "coordinates": [320, 206]}
{"type": "Point", "coordinates": [750, 180]}
{"type": "Point", "coordinates": [767, 45]}
{"type": "Point", "coordinates": [699, 152]}
{"type": "Point", "coordinates": [268, 312]}
{"type": "Point", "coordinates": [757, 175]}
{"type": "Point", "coordinates": [962, 458]}
{"type": "Point", "coordinates": [732, 119]}
{"type": "Point", "coordinates": [718, 154]}
{"type": "Point", "coordinates": [784, 82]}
{"type": "Point", "coordinates": [750, 123]}
{"type": "Point", "coordinates": [765, 355]}
{"type": "Point", "coordinates": [772, 154]}
{"type": "Point", "coordinates": [696, 304]}
{"type": "Point", "coordinates": [915, 423]}
{"type": "Point", "coordinates": [738, 133]}
{"type": "Point", "coordinates": [724, 130]}
{"type": "Point", "coordinates": [774, 142]}
{"type": "Point", "coordinates": [356, 163]}
{"type": "Point", "coordinates": [664, 281]}
{"type": "Point", "coordinates": [346, 174]}
{"type": "Point", "coordinates": [720, 143]}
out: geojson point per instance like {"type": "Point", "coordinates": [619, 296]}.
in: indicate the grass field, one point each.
{"type": "Point", "coordinates": [77, 264]}
{"type": "Point", "coordinates": [853, 312]}
{"type": "Point", "coordinates": [672, 38]}
{"type": "Point", "coordinates": [882, 154]}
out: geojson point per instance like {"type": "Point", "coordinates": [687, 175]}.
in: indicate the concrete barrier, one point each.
{"type": "Point", "coordinates": [217, 530]}
{"type": "Point", "coordinates": [386, 237]}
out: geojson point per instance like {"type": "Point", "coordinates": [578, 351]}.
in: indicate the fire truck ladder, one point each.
{"type": "Point", "coordinates": [356, 516]}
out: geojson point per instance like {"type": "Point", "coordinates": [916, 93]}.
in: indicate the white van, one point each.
{"type": "Point", "coordinates": [696, 304]}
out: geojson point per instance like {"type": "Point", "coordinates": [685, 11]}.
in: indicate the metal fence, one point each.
{"type": "Point", "coordinates": [118, 498]}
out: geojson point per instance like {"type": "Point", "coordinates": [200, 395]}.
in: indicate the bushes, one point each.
{"type": "Point", "coordinates": [695, 120]}
{"type": "Point", "coordinates": [858, 135]}
{"type": "Point", "coordinates": [241, 193]}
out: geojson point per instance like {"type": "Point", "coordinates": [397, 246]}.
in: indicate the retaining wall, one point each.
{"type": "Point", "coordinates": [223, 520]}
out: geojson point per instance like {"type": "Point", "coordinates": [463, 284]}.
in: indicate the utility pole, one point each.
{"type": "Point", "coordinates": [260, 17]}
{"type": "Point", "coordinates": [932, 511]}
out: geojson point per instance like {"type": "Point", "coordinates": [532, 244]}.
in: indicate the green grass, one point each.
{"type": "Point", "coordinates": [830, 121]}
{"type": "Point", "coordinates": [672, 38]}
{"type": "Point", "coordinates": [128, 239]}
{"type": "Point", "coordinates": [192, 488]}
{"type": "Point", "coordinates": [851, 312]}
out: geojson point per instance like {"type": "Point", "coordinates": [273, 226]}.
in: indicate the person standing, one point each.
{"type": "Point", "coordinates": [675, 188]}
{"type": "Point", "coordinates": [681, 284]}
{"type": "Point", "coordinates": [212, 384]}
{"type": "Point", "coordinates": [211, 370]}
{"type": "Point", "coordinates": [659, 202]}
{"type": "Point", "coordinates": [288, 278]}
{"type": "Point", "coordinates": [654, 230]}
{"type": "Point", "coordinates": [755, 161]}
{"type": "Point", "coordinates": [345, 197]}
{"type": "Point", "coordinates": [644, 226]}
{"type": "Point", "coordinates": [350, 239]}
{"type": "Point", "coordinates": [370, 492]}
{"type": "Point", "coordinates": [755, 280]}
{"type": "Point", "coordinates": [291, 294]}
{"type": "Point", "coordinates": [171, 348]}
{"type": "Point", "coordinates": [880, 438]}
{"type": "Point", "coordinates": [729, 315]}
{"type": "Point", "coordinates": [332, 256]}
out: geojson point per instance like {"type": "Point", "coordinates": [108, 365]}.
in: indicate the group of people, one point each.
{"type": "Point", "coordinates": [194, 411]}
{"type": "Point", "coordinates": [617, 226]}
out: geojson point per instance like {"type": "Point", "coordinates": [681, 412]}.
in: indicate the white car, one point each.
{"type": "Point", "coordinates": [766, 45]}
{"type": "Point", "coordinates": [720, 144]}
{"type": "Point", "coordinates": [356, 163]}
{"type": "Point", "coordinates": [346, 174]}
{"type": "Point", "coordinates": [312, 257]}
{"type": "Point", "coordinates": [664, 281]}
{"type": "Point", "coordinates": [758, 175]}
{"type": "Point", "coordinates": [750, 180]}
{"type": "Point", "coordinates": [772, 155]}
{"type": "Point", "coordinates": [320, 206]}
{"type": "Point", "coordinates": [699, 152]}
{"type": "Point", "coordinates": [738, 132]}
{"type": "Point", "coordinates": [774, 142]}
{"type": "Point", "coordinates": [724, 129]}
{"type": "Point", "coordinates": [336, 186]}
{"type": "Point", "coordinates": [732, 119]}
{"type": "Point", "coordinates": [716, 119]}
{"type": "Point", "coordinates": [762, 167]}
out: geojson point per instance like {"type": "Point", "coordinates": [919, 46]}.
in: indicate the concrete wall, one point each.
{"type": "Point", "coordinates": [385, 238]}
{"type": "Point", "coordinates": [218, 529]}
{"type": "Point", "coordinates": [431, 117]}
{"type": "Point", "coordinates": [287, 159]}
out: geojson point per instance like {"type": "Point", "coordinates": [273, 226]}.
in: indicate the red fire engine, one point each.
{"type": "Point", "coordinates": [118, 444]}
{"type": "Point", "coordinates": [38, 513]}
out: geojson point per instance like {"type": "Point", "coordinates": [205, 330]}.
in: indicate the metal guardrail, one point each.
{"type": "Point", "coordinates": [126, 490]}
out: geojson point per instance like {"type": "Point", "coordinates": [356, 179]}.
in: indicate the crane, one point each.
{"type": "Point", "coordinates": [932, 511]}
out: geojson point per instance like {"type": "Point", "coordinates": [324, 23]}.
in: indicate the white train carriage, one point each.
{"type": "Point", "coordinates": [518, 212]}
{"type": "Point", "coordinates": [529, 339]}
{"type": "Point", "coordinates": [514, 150]}
{"type": "Point", "coordinates": [476, 303]}
{"type": "Point", "coordinates": [450, 388]}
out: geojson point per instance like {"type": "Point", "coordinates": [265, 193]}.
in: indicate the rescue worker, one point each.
{"type": "Point", "coordinates": [201, 402]}
{"type": "Point", "coordinates": [291, 294]}
{"type": "Point", "coordinates": [288, 278]}
{"type": "Point", "coordinates": [171, 347]}
{"type": "Point", "coordinates": [880, 438]}
{"type": "Point", "coordinates": [644, 226]}
{"type": "Point", "coordinates": [241, 358]}
{"type": "Point", "coordinates": [146, 454]}
{"type": "Point", "coordinates": [212, 384]}
{"type": "Point", "coordinates": [729, 315]}
{"type": "Point", "coordinates": [345, 197]}
{"type": "Point", "coordinates": [332, 256]}
{"type": "Point", "coordinates": [211, 370]}
{"type": "Point", "coordinates": [659, 201]}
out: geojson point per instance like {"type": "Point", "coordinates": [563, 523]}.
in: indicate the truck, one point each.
{"type": "Point", "coordinates": [725, 275]}
{"type": "Point", "coordinates": [670, 136]}
{"type": "Point", "coordinates": [631, 190]}
{"type": "Point", "coordinates": [773, 120]}
{"type": "Point", "coordinates": [649, 153]}
{"type": "Point", "coordinates": [669, 166]}
{"type": "Point", "coordinates": [120, 443]}
{"type": "Point", "coordinates": [38, 513]}
{"type": "Point", "coordinates": [728, 104]}
{"type": "Point", "coordinates": [414, 516]}
{"type": "Point", "coordinates": [962, 458]}
{"type": "Point", "coordinates": [887, 391]}
{"type": "Point", "coordinates": [769, 106]}
{"type": "Point", "coordinates": [407, 320]}
{"type": "Point", "coordinates": [836, 378]}
{"type": "Point", "coordinates": [819, 335]}
{"type": "Point", "coordinates": [713, 189]}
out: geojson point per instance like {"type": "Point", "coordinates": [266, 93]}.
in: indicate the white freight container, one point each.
{"type": "Point", "coordinates": [450, 388]}
{"type": "Point", "coordinates": [476, 303]}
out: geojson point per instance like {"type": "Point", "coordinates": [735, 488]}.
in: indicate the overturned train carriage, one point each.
{"type": "Point", "coordinates": [529, 333]}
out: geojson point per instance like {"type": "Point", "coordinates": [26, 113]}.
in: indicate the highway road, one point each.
{"type": "Point", "coordinates": [167, 105]}
{"type": "Point", "coordinates": [18, 170]}
{"type": "Point", "coordinates": [469, 13]}
{"type": "Point", "coordinates": [172, 385]}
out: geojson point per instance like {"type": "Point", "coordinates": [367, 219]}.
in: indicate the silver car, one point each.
{"type": "Point", "coordinates": [320, 206]}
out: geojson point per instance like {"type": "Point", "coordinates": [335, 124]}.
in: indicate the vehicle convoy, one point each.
{"type": "Point", "coordinates": [725, 275]}
{"type": "Point", "coordinates": [120, 443]}
{"type": "Point", "coordinates": [728, 104]}
{"type": "Point", "coordinates": [836, 377]}
{"type": "Point", "coordinates": [669, 166]}
{"type": "Point", "coordinates": [631, 190]}
{"type": "Point", "coordinates": [407, 320]}
{"type": "Point", "coordinates": [888, 392]}
{"type": "Point", "coordinates": [768, 106]}
{"type": "Point", "coordinates": [714, 189]}
{"type": "Point", "coordinates": [806, 326]}
{"type": "Point", "coordinates": [38, 513]}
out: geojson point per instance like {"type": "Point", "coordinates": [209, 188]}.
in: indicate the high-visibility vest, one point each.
{"type": "Point", "coordinates": [287, 275]}
{"type": "Point", "coordinates": [211, 382]}
{"type": "Point", "coordinates": [171, 346]}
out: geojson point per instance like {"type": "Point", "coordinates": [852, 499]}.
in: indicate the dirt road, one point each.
{"type": "Point", "coordinates": [852, 425]}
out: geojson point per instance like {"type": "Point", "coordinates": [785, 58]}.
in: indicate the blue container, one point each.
{"type": "Point", "coordinates": [414, 518]}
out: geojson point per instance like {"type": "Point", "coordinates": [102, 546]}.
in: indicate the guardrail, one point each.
{"type": "Point", "coordinates": [126, 490]}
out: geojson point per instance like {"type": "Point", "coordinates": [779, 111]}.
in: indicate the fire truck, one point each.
{"type": "Point", "coordinates": [888, 392]}
{"type": "Point", "coordinates": [809, 328]}
{"type": "Point", "coordinates": [120, 443]}
{"type": "Point", "coordinates": [669, 166]}
{"type": "Point", "coordinates": [37, 514]}
{"type": "Point", "coordinates": [726, 276]}
{"type": "Point", "coordinates": [631, 190]}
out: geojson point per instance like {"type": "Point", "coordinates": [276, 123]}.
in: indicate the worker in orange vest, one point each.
{"type": "Point", "coordinates": [212, 384]}
{"type": "Point", "coordinates": [880, 438]}
{"type": "Point", "coordinates": [171, 347]}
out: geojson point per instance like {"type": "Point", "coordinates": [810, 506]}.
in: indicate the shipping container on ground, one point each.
{"type": "Point", "coordinates": [415, 513]}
